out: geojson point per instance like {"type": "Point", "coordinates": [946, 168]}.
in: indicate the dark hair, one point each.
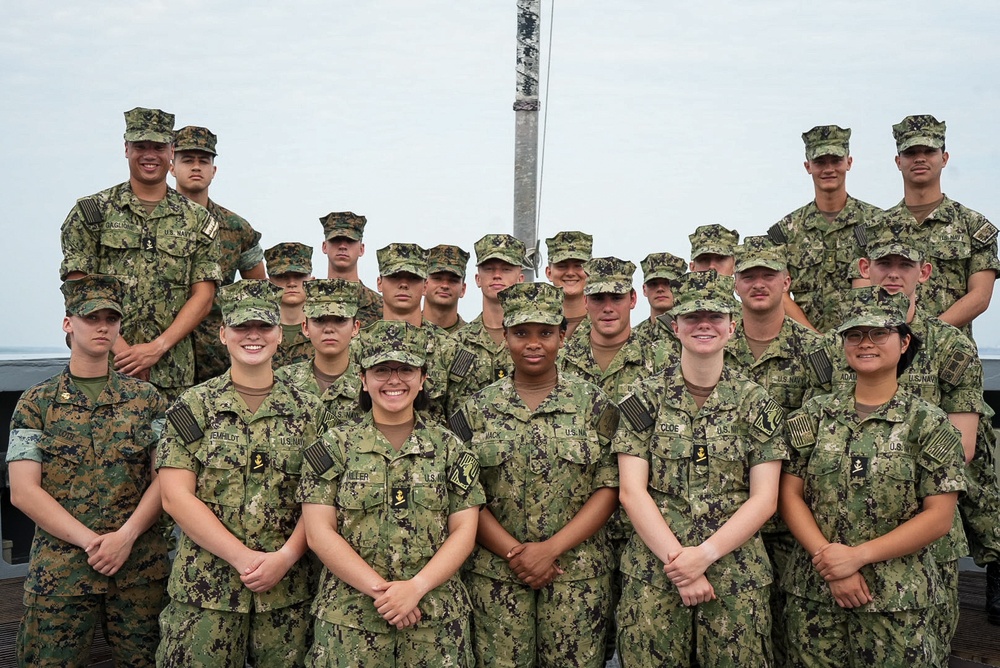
{"type": "Point", "coordinates": [911, 352]}
{"type": "Point", "coordinates": [420, 402]}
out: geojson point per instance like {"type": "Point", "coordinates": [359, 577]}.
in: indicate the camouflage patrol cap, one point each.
{"type": "Point", "coordinates": [343, 224]}
{"type": "Point", "coordinates": [872, 306]}
{"type": "Point", "coordinates": [704, 291]}
{"type": "Point", "coordinates": [921, 130]}
{"type": "Point", "coordinates": [714, 239]}
{"type": "Point", "coordinates": [149, 125]}
{"type": "Point", "coordinates": [893, 240]}
{"type": "Point", "coordinates": [502, 247]}
{"type": "Point", "coordinates": [331, 296]}
{"type": "Point", "coordinates": [827, 140]}
{"type": "Point", "coordinates": [451, 259]}
{"type": "Point", "coordinates": [760, 252]}
{"type": "Point", "coordinates": [663, 265]}
{"type": "Point", "coordinates": [402, 258]}
{"type": "Point", "coordinates": [289, 257]}
{"type": "Point", "coordinates": [194, 138]}
{"type": "Point", "coordinates": [392, 341]}
{"type": "Point", "coordinates": [91, 293]}
{"type": "Point", "coordinates": [608, 274]}
{"type": "Point", "coordinates": [570, 246]}
{"type": "Point", "coordinates": [250, 299]}
{"type": "Point", "coordinates": [531, 302]}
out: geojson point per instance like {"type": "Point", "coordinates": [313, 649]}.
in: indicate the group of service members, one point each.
{"type": "Point", "coordinates": [362, 478]}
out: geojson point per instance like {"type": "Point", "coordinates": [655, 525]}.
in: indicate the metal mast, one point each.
{"type": "Point", "coordinates": [526, 106]}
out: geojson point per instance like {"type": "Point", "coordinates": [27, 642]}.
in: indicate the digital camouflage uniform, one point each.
{"type": "Point", "coordinates": [352, 226]}
{"type": "Point", "coordinates": [239, 250]}
{"type": "Point", "coordinates": [156, 256]}
{"type": "Point", "coordinates": [340, 399]}
{"type": "Point", "coordinates": [494, 357]}
{"type": "Point", "coordinates": [453, 260]}
{"type": "Point", "coordinates": [95, 461]}
{"type": "Point", "coordinates": [959, 241]}
{"type": "Point", "coordinates": [821, 253]}
{"type": "Point", "coordinates": [669, 267]}
{"type": "Point", "coordinates": [293, 349]}
{"type": "Point", "coordinates": [862, 479]}
{"type": "Point", "coordinates": [290, 258]}
{"type": "Point", "coordinates": [247, 467]}
{"type": "Point", "coordinates": [699, 476]}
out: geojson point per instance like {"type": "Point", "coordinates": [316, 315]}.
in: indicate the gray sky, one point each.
{"type": "Point", "coordinates": [661, 116]}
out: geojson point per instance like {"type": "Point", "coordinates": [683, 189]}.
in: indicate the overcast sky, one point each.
{"type": "Point", "coordinates": [661, 116]}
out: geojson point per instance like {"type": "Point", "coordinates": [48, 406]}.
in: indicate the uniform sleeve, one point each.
{"type": "Point", "coordinates": [604, 419]}
{"type": "Point", "coordinates": [26, 429]}
{"type": "Point", "coordinates": [984, 245]}
{"type": "Point", "coordinates": [941, 463]}
{"type": "Point", "coordinates": [801, 427]}
{"type": "Point", "coordinates": [960, 375]}
{"type": "Point", "coordinates": [766, 420]}
{"type": "Point", "coordinates": [179, 441]}
{"type": "Point", "coordinates": [464, 489]}
{"type": "Point", "coordinates": [635, 428]}
{"type": "Point", "coordinates": [321, 470]}
{"type": "Point", "coordinates": [80, 242]}
{"type": "Point", "coordinates": [205, 263]}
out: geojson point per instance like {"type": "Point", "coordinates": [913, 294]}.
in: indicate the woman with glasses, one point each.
{"type": "Point", "coordinates": [872, 481]}
{"type": "Point", "coordinates": [390, 504]}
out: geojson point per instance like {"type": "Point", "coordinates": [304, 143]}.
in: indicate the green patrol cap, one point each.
{"type": "Point", "coordinates": [608, 274]}
{"type": "Point", "coordinates": [704, 291]}
{"type": "Point", "coordinates": [392, 341]}
{"type": "Point", "coordinates": [531, 302]}
{"type": "Point", "coordinates": [194, 138]}
{"type": "Point", "coordinates": [91, 293]}
{"type": "Point", "coordinates": [570, 246]}
{"type": "Point", "coordinates": [343, 224]}
{"type": "Point", "coordinates": [921, 130]}
{"type": "Point", "coordinates": [289, 257]}
{"type": "Point", "coordinates": [331, 296]}
{"type": "Point", "coordinates": [827, 140]}
{"type": "Point", "coordinates": [149, 125]}
{"type": "Point", "coordinates": [250, 299]}
{"type": "Point", "coordinates": [893, 240]}
{"type": "Point", "coordinates": [400, 258]}
{"type": "Point", "coordinates": [500, 247]}
{"type": "Point", "coordinates": [451, 259]}
{"type": "Point", "coordinates": [714, 239]}
{"type": "Point", "coordinates": [663, 265]}
{"type": "Point", "coordinates": [874, 307]}
{"type": "Point", "coordinates": [761, 252]}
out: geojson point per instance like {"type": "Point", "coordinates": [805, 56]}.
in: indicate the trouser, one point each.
{"type": "Point", "coordinates": [59, 630]}
{"type": "Point", "coordinates": [980, 505]}
{"type": "Point", "coordinates": [780, 545]}
{"type": "Point", "coordinates": [194, 637]}
{"type": "Point", "coordinates": [442, 646]}
{"type": "Point", "coordinates": [515, 626]}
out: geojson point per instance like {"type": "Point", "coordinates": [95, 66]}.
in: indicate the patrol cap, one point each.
{"type": "Point", "coordinates": [893, 240]}
{"type": "Point", "coordinates": [250, 299]}
{"type": "Point", "coordinates": [872, 306]}
{"type": "Point", "coordinates": [149, 125]}
{"type": "Point", "coordinates": [760, 252]}
{"type": "Point", "coordinates": [714, 239]}
{"type": "Point", "coordinates": [827, 140]}
{"type": "Point", "coordinates": [608, 274]}
{"type": "Point", "coordinates": [289, 257]}
{"type": "Point", "coordinates": [392, 341]}
{"type": "Point", "coordinates": [570, 246]}
{"type": "Point", "coordinates": [343, 224]}
{"type": "Point", "coordinates": [444, 257]}
{"type": "Point", "coordinates": [400, 258]}
{"type": "Point", "coordinates": [663, 265]}
{"type": "Point", "coordinates": [331, 296]}
{"type": "Point", "coordinates": [194, 138]}
{"type": "Point", "coordinates": [500, 247]}
{"type": "Point", "coordinates": [704, 291]}
{"type": "Point", "coordinates": [91, 293]}
{"type": "Point", "coordinates": [531, 302]}
{"type": "Point", "coordinates": [921, 130]}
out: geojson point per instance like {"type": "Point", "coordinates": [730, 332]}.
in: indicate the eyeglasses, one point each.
{"type": "Point", "coordinates": [404, 372]}
{"type": "Point", "coordinates": [877, 335]}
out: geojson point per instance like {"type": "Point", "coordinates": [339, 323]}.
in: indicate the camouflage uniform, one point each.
{"type": "Point", "coordinates": [699, 470]}
{"type": "Point", "coordinates": [669, 267]}
{"type": "Point", "coordinates": [340, 399]}
{"type": "Point", "coordinates": [352, 226]}
{"type": "Point", "coordinates": [95, 462]}
{"type": "Point", "coordinates": [392, 508]}
{"type": "Point", "coordinates": [239, 250]}
{"type": "Point", "coordinates": [247, 467]}
{"type": "Point", "coordinates": [157, 256]}
{"type": "Point", "coordinates": [862, 480]}
{"type": "Point", "coordinates": [451, 259]}
{"type": "Point", "coordinates": [714, 239]}
{"type": "Point", "coordinates": [287, 258]}
{"type": "Point", "coordinates": [494, 358]}
{"type": "Point", "coordinates": [821, 253]}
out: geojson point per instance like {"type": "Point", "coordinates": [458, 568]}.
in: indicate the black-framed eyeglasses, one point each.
{"type": "Point", "coordinates": [877, 335]}
{"type": "Point", "coordinates": [404, 372]}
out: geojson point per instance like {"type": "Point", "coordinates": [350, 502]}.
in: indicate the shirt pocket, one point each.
{"type": "Point", "coordinates": [894, 489]}
{"type": "Point", "coordinates": [495, 474]}
{"type": "Point", "coordinates": [287, 467]}
{"type": "Point", "coordinates": [577, 457]}
{"type": "Point", "coordinates": [669, 462]}
{"type": "Point", "coordinates": [810, 270]}
{"type": "Point", "coordinates": [175, 249]}
{"type": "Point", "coordinates": [950, 248]}
{"type": "Point", "coordinates": [360, 506]}
{"type": "Point", "coordinates": [63, 460]}
{"type": "Point", "coordinates": [222, 478]}
{"type": "Point", "coordinates": [430, 505]}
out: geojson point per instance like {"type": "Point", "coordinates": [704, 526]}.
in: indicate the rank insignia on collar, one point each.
{"type": "Point", "coordinates": [258, 461]}
{"type": "Point", "coordinates": [859, 466]}
{"type": "Point", "coordinates": [64, 396]}
{"type": "Point", "coordinates": [400, 497]}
